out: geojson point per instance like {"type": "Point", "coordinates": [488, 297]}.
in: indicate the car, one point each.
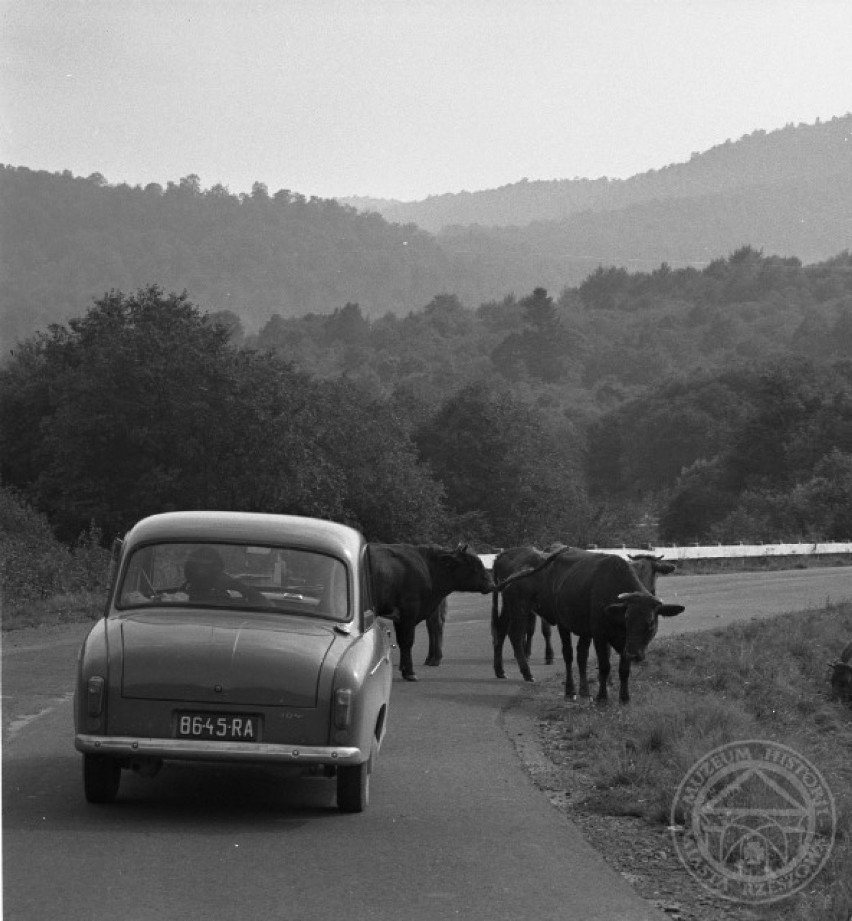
{"type": "Point", "coordinates": [235, 637]}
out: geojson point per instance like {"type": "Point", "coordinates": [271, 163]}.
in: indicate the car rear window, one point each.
{"type": "Point", "coordinates": [234, 576]}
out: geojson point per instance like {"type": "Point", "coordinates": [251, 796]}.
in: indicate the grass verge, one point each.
{"type": "Point", "coordinates": [62, 608]}
{"type": "Point", "coordinates": [764, 680]}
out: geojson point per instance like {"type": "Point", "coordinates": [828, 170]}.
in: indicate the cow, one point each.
{"type": "Point", "coordinates": [595, 596]}
{"type": "Point", "coordinates": [646, 566]}
{"type": "Point", "coordinates": [409, 582]}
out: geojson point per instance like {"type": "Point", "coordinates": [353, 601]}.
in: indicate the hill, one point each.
{"type": "Point", "coordinates": [65, 240]}
{"type": "Point", "coordinates": [778, 159]}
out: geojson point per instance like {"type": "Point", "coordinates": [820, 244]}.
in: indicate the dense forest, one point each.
{"type": "Point", "coordinates": [65, 240]}
{"type": "Point", "coordinates": [678, 405]}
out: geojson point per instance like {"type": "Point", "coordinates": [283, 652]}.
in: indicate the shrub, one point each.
{"type": "Point", "coordinates": [34, 565]}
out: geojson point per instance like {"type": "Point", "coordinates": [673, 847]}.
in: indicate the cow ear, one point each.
{"type": "Point", "coordinates": [617, 609]}
{"type": "Point", "coordinates": [670, 610]}
{"type": "Point", "coordinates": [462, 548]}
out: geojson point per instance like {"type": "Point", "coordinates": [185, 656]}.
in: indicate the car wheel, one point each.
{"type": "Point", "coordinates": [353, 784]}
{"type": "Point", "coordinates": [101, 778]}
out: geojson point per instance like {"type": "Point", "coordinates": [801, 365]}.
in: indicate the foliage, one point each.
{"type": "Point", "coordinates": [505, 462]}
{"type": "Point", "coordinates": [143, 406]}
{"type": "Point", "coordinates": [34, 565]}
{"type": "Point", "coordinates": [782, 470]}
{"type": "Point", "coordinates": [542, 349]}
{"type": "Point", "coordinates": [65, 240]}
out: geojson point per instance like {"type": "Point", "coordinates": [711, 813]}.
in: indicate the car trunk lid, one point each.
{"type": "Point", "coordinates": [231, 660]}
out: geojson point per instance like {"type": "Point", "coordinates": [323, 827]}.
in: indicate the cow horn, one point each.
{"type": "Point", "coordinates": [628, 596]}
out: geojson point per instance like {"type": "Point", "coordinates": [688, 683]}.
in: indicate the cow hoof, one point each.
{"type": "Point", "coordinates": [410, 677]}
{"type": "Point", "coordinates": [529, 678]}
{"type": "Point", "coordinates": [548, 660]}
{"type": "Point", "coordinates": [500, 675]}
{"type": "Point", "coordinates": [433, 662]}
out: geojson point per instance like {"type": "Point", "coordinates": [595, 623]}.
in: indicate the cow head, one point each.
{"type": "Point", "coordinates": [466, 571]}
{"type": "Point", "coordinates": [638, 614]}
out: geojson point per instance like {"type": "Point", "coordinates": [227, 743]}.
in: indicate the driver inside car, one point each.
{"type": "Point", "coordinates": [207, 581]}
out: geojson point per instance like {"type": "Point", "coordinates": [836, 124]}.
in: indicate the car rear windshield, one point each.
{"type": "Point", "coordinates": [236, 576]}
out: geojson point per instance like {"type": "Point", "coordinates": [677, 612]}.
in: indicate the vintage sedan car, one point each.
{"type": "Point", "coordinates": [232, 636]}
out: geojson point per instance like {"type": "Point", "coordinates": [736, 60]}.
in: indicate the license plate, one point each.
{"type": "Point", "coordinates": [231, 727]}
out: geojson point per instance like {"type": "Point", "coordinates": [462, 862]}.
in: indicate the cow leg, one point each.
{"type": "Point", "coordinates": [583, 644]}
{"type": "Point", "coordinates": [568, 657]}
{"type": "Point", "coordinates": [498, 637]}
{"type": "Point", "coordinates": [517, 633]}
{"type": "Point", "coordinates": [405, 641]}
{"type": "Point", "coordinates": [624, 677]}
{"type": "Point", "coordinates": [602, 650]}
{"type": "Point", "coordinates": [435, 627]}
{"type": "Point", "coordinates": [547, 632]}
{"type": "Point", "coordinates": [529, 634]}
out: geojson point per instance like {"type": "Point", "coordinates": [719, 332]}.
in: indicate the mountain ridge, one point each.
{"type": "Point", "coordinates": [759, 157]}
{"type": "Point", "coordinates": [65, 240]}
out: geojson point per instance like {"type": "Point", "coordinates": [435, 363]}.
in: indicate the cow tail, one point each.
{"type": "Point", "coordinates": [495, 612]}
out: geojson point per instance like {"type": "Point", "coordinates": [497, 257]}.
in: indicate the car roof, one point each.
{"type": "Point", "coordinates": [249, 528]}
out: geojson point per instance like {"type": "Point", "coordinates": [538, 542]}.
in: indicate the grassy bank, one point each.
{"type": "Point", "coordinates": [757, 680]}
{"type": "Point", "coordinates": [54, 610]}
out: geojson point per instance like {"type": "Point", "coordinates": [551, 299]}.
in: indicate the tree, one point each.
{"type": "Point", "coordinates": [143, 405]}
{"type": "Point", "coordinates": [541, 348]}
{"type": "Point", "coordinates": [127, 399]}
{"type": "Point", "coordinates": [502, 461]}
{"type": "Point", "coordinates": [348, 325]}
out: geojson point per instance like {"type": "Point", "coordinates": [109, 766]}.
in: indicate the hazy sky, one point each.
{"type": "Point", "coordinates": [406, 98]}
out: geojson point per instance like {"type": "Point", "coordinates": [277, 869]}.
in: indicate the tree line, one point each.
{"type": "Point", "coordinates": [408, 430]}
{"type": "Point", "coordinates": [145, 405]}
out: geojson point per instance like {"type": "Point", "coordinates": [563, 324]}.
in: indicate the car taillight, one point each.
{"type": "Point", "coordinates": [342, 708]}
{"type": "Point", "coordinates": [95, 695]}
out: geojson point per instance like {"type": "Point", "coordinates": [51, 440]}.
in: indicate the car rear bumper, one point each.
{"type": "Point", "coordinates": [197, 750]}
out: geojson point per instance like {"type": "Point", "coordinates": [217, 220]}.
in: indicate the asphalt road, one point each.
{"type": "Point", "coordinates": [455, 827]}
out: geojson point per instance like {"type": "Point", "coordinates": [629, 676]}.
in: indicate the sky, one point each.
{"type": "Point", "coordinates": [406, 98]}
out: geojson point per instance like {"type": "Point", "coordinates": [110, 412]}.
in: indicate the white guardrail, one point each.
{"type": "Point", "coordinates": [718, 551]}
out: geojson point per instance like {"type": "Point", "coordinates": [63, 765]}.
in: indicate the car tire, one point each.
{"type": "Point", "coordinates": [101, 778]}
{"type": "Point", "coordinates": [353, 784]}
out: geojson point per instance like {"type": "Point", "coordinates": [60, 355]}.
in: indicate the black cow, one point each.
{"type": "Point", "coordinates": [646, 566]}
{"type": "Point", "coordinates": [597, 597]}
{"type": "Point", "coordinates": [409, 583]}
